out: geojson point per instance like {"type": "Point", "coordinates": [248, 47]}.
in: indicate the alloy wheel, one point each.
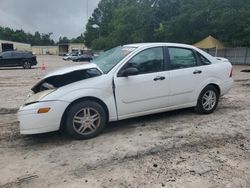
{"type": "Point", "coordinates": [26, 65]}
{"type": "Point", "coordinates": [86, 121]}
{"type": "Point", "coordinates": [209, 100]}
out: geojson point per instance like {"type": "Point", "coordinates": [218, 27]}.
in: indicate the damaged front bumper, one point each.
{"type": "Point", "coordinates": [33, 122]}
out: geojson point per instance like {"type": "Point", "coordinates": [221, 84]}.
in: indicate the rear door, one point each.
{"type": "Point", "coordinates": [147, 91]}
{"type": "Point", "coordinates": [186, 75]}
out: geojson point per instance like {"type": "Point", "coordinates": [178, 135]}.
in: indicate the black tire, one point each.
{"type": "Point", "coordinates": [27, 65]}
{"type": "Point", "coordinates": [81, 126]}
{"type": "Point", "coordinates": [203, 105]}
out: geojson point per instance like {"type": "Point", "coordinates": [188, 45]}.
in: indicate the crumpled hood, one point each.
{"type": "Point", "coordinates": [67, 75]}
{"type": "Point", "coordinates": [65, 70]}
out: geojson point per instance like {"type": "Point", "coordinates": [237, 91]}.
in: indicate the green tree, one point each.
{"type": "Point", "coordinates": [21, 36]}
{"type": "Point", "coordinates": [184, 21]}
{"type": "Point", "coordinates": [63, 40]}
{"type": "Point", "coordinates": [79, 39]}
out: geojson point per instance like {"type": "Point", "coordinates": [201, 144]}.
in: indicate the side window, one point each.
{"type": "Point", "coordinates": [203, 60]}
{"type": "Point", "coordinates": [25, 54]}
{"type": "Point", "coordinates": [16, 54]}
{"type": "Point", "coordinates": [148, 61]}
{"type": "Point", "coordinates": [7, 54]}
{"type": "Point", "coordinates": [181, 58]}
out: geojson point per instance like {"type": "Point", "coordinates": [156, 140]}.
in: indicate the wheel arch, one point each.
{"type": "Point", "coordinates": [216, 86]}
{"type": "Point", "coordinates": [201, 88]}
{"type": "Point", "coordinates": [95, 99]}
{"type": "Point", "coordinates": [26, 60]}
{"type": "Point", "coordinates": [198, 107]}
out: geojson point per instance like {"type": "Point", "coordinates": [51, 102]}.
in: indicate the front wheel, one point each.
{"type": "Point", "coordinates": [85, 120]}
{"type": "Point", "coordinates": [208, 100]}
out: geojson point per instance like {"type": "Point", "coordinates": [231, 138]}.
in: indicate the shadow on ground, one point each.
{"type": "Point", "coordinates": [119, 127]}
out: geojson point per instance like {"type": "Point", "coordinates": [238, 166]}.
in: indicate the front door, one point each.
{"type": "Point", "coordinates": [147, 91]}
{"type": "Point", "coordinates": [7, 59]}
{"type": "Point", "coordinates": [17, 58]}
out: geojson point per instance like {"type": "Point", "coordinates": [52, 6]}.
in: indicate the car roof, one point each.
{"type": "Point", "coordinates": [16, 51]}
{"type": "Point", "coordinates": [138, 45]}
{"type": "Point", "coordinates": [158, 44]}
{"type": "Point", "coordinates": [7, 51]}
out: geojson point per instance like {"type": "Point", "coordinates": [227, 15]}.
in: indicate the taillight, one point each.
{"type": "Point", "coordinates": [231, 73]}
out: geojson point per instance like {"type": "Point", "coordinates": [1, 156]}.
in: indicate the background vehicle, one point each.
{"type": "Point", "coordinates": [69, 56]}
{"type": "Point", "coordinates": [125, 82]}
{"type": "Point", "coordinates": [17, 58]}
{"type": "Point", "coordinates": [82, 58]}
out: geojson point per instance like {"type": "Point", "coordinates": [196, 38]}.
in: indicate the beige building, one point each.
{"type": "Point", "coordinates": [70, 47]}
{"type": "Point", "coordinates": [76, 47]}
{"type": "Point", "coordinates": [61, 49]}
{"type": "Point", "coordinates": [10, 46]}
{"type": "Point", "coordinates": [45, 50]}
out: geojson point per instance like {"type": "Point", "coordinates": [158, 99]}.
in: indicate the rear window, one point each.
{"type": "Point", "coordinates": [203, 60]}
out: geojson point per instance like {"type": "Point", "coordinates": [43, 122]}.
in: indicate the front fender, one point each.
{"type": "Point", "coordinates": [105, 96]}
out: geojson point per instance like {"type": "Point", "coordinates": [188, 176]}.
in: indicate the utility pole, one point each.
{"type": "Point", "coordinates": [87, 9]}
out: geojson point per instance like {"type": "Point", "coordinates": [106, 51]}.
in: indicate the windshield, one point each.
{"type": "Point", "coordinates": [110, 58]}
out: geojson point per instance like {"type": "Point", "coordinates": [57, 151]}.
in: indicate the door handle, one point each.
{"type": "Point", "coordinates": [159, 78]}
{"type": "Point", "coordinates": [197, 72]}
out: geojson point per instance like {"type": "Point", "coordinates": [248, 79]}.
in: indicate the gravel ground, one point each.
{"type": "Point", "coordinates": [173, 149]}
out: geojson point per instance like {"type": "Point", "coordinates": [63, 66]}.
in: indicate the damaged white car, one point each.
{"type": "Point", "coordinates": [125, 82]}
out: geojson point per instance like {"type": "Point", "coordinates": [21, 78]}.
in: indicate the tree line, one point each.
{"type": "Point", "coordinates": [117, 22]}
{"type": "Point", "coordinates": [36, 39]}
{"type": "Point", "coordinates": [184, 21]}
{"type": "Point", "coordinates": [19, 35]}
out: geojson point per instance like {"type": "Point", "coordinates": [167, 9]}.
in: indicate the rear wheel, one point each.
{"type": "Point", "coordinates": [208, 100]}
{"type": "Point", "coordinates": [85, 120]}
{"type": "Point", "coordinates": [26, 65]}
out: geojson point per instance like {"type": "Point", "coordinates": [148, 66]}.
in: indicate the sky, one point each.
{"type": "Point", "coordinates": [62, 17]}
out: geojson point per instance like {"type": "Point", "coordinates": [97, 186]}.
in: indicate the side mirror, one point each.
{"type": "Point", "coordinates": [131, 71]}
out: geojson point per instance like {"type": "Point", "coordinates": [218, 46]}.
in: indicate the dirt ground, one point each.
{"type": "Point", "coordinates": [172, 149]}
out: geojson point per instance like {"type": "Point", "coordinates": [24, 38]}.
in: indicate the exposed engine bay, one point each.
{"type": "Point", "coordinates": [57, 81]}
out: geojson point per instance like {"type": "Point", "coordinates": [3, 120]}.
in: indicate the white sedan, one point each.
{"type": "Point", "coordinates": [124, 82]}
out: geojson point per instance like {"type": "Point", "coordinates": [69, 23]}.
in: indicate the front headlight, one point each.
{"type": "Point", "coordinates": [38, 96]}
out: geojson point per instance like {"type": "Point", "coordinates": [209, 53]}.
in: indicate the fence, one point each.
{"type": "Point", "coordinates": [237, 56]}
